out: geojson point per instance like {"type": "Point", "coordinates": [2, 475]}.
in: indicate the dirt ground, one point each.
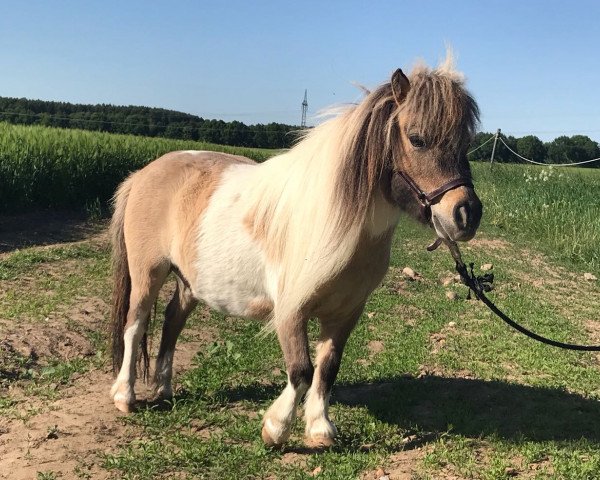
{"type": "Point", "coordinates": [67, 435]}
{"type": "Point", "coordinates": [68, 430]}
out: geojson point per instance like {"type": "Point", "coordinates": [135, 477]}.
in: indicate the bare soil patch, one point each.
{"type": "Point", "coordinates": [68, 431]}
{"type": "Point", "coordinates": [45, 228]}
{"type": "Point", "coordinates": [488, 243]}
{"type": "Point", "coordinates": [68, 436]}
{"type": "Point", "coordinates": [399, 466]}
{"type": "Point", "coordinates": [71, 434]}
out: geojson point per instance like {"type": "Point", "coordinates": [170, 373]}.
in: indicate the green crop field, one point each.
{"type": "Point", "coordinates": [430, 387]}
{"type": "Point", "coordinates": [43, 167]}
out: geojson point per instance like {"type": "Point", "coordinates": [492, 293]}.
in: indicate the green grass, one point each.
{"type": "Point", "coordinates": [556, 208]}
{"type": "Point", "coordinates": [49, 167]}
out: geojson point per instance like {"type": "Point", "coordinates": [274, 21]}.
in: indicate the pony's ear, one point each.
{"type": "Point", "coordinates": [400, 86]}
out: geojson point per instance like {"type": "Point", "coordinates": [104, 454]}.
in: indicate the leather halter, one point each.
{"type": "Point", "coordinates": [428, 199]}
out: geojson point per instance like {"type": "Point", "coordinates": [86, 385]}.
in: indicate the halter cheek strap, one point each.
{"type": "Point", "coordinates": [428, 199]}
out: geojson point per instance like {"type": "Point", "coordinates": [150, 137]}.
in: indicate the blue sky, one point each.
{"type": "Point", "coordinates": [533, 66]}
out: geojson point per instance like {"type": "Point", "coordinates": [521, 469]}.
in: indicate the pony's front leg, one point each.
{"type": "Point", "coordinates": [279, 418]}
{"type": "Point", "coordinates": [320, 430]}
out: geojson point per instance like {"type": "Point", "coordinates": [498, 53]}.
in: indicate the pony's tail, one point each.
{"type": "Point", "coordinates": [121, 278]}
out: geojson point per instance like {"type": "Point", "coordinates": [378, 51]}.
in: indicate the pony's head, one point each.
{"type": "Point", "coordinates": [436, 119]}
{"type": "Point", "coordinates": [410, 138]}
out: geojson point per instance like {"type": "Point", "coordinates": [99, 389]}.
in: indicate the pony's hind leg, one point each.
{"type": "Point", "coordinates": [179, 308]}
{"type": "Point", "coordinates": [320, 430]}
{"type": "Point", "coordinates": [145, 285]}
{"type": "Point", "coordinates": [279, 418]}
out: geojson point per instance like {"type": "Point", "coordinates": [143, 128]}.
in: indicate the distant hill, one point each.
{"type": "Point", "coordinates": [147, 121]}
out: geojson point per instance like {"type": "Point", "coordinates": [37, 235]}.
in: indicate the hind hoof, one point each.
{"type": "Point", "coordinates": [124, 407]}
{"type": "Point", "coordinates": [162, 394]}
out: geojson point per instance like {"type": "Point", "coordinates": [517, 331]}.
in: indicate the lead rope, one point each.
{"type": "Point", "coordinates": [481, 284]}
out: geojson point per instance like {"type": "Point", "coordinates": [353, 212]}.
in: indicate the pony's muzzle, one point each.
{"type": "Point", "coordinates": [467, 216]}
{"type": "Point", "coordinates": [458, 216]}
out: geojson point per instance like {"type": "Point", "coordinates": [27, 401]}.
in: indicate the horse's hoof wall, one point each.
{"type": "Point", "coordinates": [319, 442]}
{"type": "Point", "coordinates": [269, 441]}
{"type": "Point", "coordinates": [163, 393]}
{"type": "Point", "coordinates": [124, 406]}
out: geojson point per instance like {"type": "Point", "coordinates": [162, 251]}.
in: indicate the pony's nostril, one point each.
{"type": "Point", "coordinates": [461, 216]}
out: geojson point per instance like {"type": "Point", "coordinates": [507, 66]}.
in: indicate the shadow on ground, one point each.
{"type": "Point", "coordinates": [44, 228]}
{"type": "Point", "coordinates": [472, 408]}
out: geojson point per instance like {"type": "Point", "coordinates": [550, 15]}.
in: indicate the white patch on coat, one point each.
{"type": "Point", "coordinates": [230, 264]}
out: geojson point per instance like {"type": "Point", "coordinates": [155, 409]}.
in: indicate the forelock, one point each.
{"type": "Point", "coordinates": [438, 106]}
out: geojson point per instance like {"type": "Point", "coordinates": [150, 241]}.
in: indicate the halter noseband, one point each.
{"type": "Point", "coordinates": [428, 199]}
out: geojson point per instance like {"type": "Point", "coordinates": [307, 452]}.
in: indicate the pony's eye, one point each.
{"type": "Point", "coordinates": [417, 141]}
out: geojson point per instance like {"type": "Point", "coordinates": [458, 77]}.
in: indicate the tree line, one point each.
{"type": "Point", "coordinates": [146, 121]}
{"type": "Point", "coordinates": [160, 122]}
{"type": "Point", "coordinates": [563, 149]}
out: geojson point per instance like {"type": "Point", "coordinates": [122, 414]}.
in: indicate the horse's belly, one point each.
{"type": "Point", "coordinates": [231, 280]}
{"type": "Point", "coordinates": [231, 272]}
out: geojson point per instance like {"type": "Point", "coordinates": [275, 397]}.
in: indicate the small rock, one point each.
{"type": "Point", "coordinates": [486, 266]}
{"type": "Point", "coordinates": [589, 276]}
{"type": "Point", "coordinates": [52, 433]}
{"type": "Point", "coordinates": [370, 314]}
{"type": "Point", "coordinates": [316, 471]}
{"type": "Point", "coordinates": [452, 324]}
{"type": "Point", "coordinates": [384, 477]}
{"type": "Point", "coordinates": [380, 472]}
{"type": "Point", "coordinates": [450, 295]}
{"type": "Point", "coordinates": [511, 472]}
{"type": "Point", "coordinates": [410, 273]}
{"type": "Point", "coordinates": [457, 278]}
{"type": "Point", "coordinates": [448, 281]}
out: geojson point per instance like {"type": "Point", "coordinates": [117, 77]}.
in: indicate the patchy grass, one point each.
{"type": "Point", "coordinates": [477, 399]}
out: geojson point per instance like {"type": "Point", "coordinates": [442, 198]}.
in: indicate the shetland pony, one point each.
{"type": "Point", "coordinates": [306, 234]}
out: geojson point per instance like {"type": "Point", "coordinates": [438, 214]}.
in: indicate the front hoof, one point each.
{"type": "Point", "coordinates": [319, 443]}
{"type": "Point", "coordinates": [274, 435]}
{"type": "Point", "coordinates": [320, 433]}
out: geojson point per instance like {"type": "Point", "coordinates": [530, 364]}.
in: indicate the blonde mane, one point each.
{"type": "Point", "coordinates": [336, 169]}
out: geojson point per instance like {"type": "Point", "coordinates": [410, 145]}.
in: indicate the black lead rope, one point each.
{"type": "Point", "coordinates": [481, 284]}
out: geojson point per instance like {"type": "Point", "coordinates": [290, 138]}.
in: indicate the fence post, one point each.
{"type": "Point", "coordinates": [494, 148]}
